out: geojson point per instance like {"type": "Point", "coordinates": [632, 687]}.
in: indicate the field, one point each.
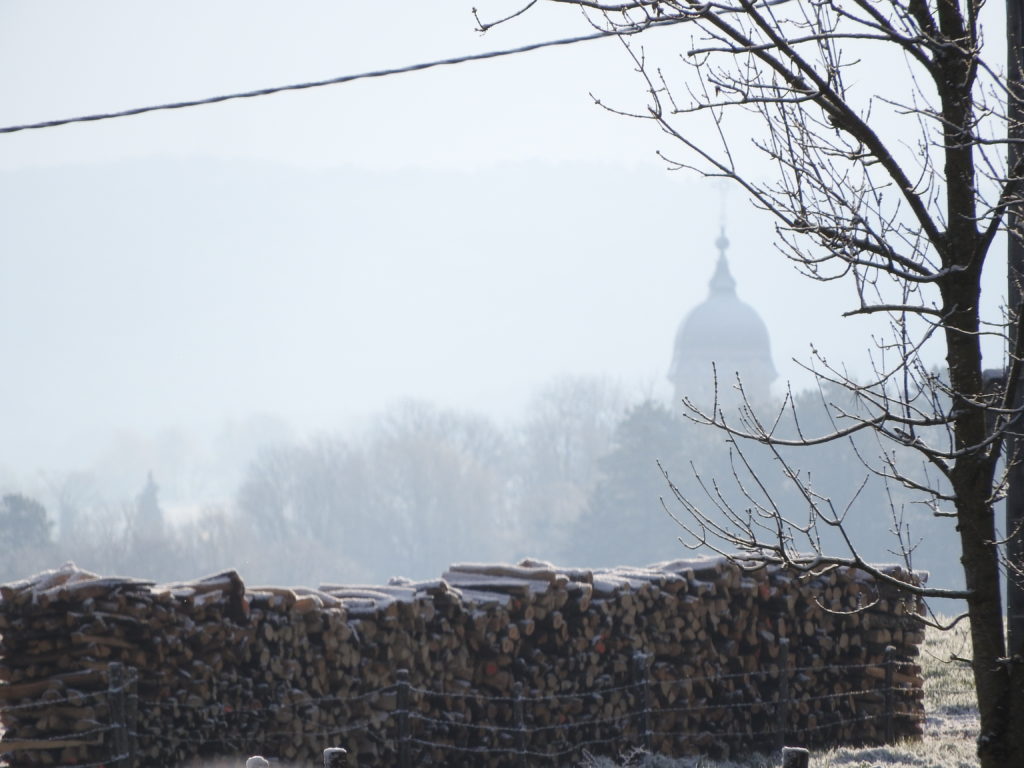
{"type": "Point", "coordinates": [951, 724]}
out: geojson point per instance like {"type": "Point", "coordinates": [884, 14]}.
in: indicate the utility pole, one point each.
{"type": "Point", "coordinates": [1015, 278]}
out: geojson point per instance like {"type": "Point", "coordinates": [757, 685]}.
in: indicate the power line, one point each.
{"type": "Point", "coordinates": [338, 80]}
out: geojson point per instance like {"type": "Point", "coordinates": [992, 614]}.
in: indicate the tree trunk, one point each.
{"type": "Point", "coordinates": [971, 478]}
{"type": "Point", "coordinates": [991, 673]}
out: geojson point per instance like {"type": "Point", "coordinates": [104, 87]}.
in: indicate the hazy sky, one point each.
{"type": "Point", "coordinates": [460, 235]}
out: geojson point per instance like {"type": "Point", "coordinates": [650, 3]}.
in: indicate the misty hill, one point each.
{"type": "Point", "coordinates": [181, 290]}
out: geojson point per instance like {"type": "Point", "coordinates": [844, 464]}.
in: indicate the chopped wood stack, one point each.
{"type": "Point", "coordinates": [501, 659]}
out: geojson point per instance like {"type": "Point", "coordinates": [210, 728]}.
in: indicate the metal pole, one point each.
{"type": "Point", "coordinates": [1015, 283]}
{"type": "Point", "coordinates": [890, 694]}
{"type": "Point", "coordinates": [643, 697]}
{"type": "Point", "coordinates": [517, 713]}
{"type": "Point", "coordinates": [403, 717]}
{"type": "Point", "coordinates": [132, 714]}
{"type": "Point", "coordinates": [118, 722]}
{"type": "Point", "coordinates": [783, 708]}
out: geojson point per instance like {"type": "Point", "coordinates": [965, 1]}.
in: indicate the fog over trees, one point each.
{"type": "Point", "coordinates": [567, 474]}
{"type": "Point", "coordinates": [577, 480]}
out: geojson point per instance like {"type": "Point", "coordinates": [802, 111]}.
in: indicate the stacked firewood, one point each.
{"type": "Point", "coordinates": [685, 657]}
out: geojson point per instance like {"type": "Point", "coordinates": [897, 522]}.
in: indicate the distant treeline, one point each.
{"type": "Point", "coordinates": [580, 480]}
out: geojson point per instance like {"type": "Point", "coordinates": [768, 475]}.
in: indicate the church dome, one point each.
{"type": "Point", "coordinates": [727, 332]}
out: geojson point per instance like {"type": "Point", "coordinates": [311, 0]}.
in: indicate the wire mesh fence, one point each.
{"type": "Point", "coordinates": [401, 721]}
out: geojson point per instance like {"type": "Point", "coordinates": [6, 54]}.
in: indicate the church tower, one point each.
{"type": "Point", "coordinates": [729, 333]}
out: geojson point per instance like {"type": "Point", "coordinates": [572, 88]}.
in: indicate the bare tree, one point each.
{"type": "Point", "coordinates": [438, 479]}
{"type": "Point", "coordinates": [874, 132]}
{"type": "Point", "coordinates": [568, 428]}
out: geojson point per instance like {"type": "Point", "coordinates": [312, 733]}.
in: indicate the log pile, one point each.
{"type": "Point", "coordinates": [500, 658]}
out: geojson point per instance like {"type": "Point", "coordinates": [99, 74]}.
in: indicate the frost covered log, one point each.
{"type": "Point", "coordinates": [221, 669]}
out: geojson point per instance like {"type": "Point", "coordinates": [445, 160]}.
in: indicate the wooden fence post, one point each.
{"type": "Point", "coordinates": [517, 713]}
{"type": "Point", "coordinates": [335, 757]}
{"type": "Point", "coordinates": [890, 694]}
{"type": "Point", "coordinates": [403, 718]}
{"type": "Point", "coordinates": [783, 704]}
{"type": "Point", "coordinates": [118, 720]}
{"type": "Point", "coordinates": [644, 697]}
{"type": "Point", "coordinates": [795, 757]}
